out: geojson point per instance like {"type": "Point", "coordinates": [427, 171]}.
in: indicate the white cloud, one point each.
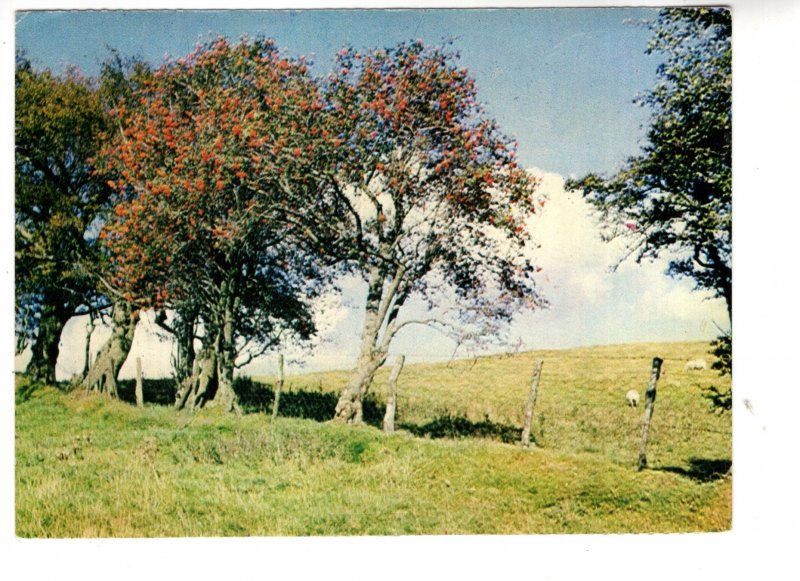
{"type": "Point", "coordinates": [589, 304]}
{"type": "Point", "coordinates": [574, 260]}
{"type": "Point", "coordinates": [664, 299]}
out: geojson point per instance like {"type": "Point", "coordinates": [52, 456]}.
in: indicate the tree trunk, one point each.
{"type": "Point", "coordinates": [183, 361]}
{"type": "Point", "coordinates": [650, 399]}
{"type": "Point", "coordinates": [278, 387]}
{"type": "Point", "coordinates": [391, 398]}
{"type": "Point", "coordinates": [226, 357]}
{"type": "Point", "coordinates": [102, 376]}
{"type": "Point", "coordinates": [526, 429]}
{"type": "Point", "coordinates": [382, 308]}
{"type": "Point", "coordinates": [201, 383]}
{"type": "Point", "coordinates": [44, 351]}
{"type": "Point", "coordinates": [348, 408]}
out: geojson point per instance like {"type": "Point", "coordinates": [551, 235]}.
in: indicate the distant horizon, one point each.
{"type": "Point", "coordinates": [389, 362]}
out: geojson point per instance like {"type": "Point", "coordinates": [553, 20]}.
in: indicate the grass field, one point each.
{"type": "Point", "coordinates": [90, 467]}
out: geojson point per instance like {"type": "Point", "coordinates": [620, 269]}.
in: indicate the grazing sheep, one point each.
{"type": "Point", "coordinates": [633, 398]}
{"type": "Point", "coordinates": [696, 365]}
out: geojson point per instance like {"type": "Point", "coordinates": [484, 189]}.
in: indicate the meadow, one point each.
{"type": "Point", "coordinates": [88, 466]}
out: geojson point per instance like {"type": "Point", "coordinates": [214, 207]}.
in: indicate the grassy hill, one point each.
{"type": "Point", "coordinates": [87, 466]}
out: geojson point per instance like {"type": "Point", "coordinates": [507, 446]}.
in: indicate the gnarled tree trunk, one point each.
{"type": "Point", "coordinates": [348, 408]}
{"type": "Point", "coordinates": [184, 331]}
{"type": "Point", "coordinates": [201, 383]}
{"type": "Point", "coordinates": [226, 349]}
{"type": "Point", "coordinates": [226, 359]}
{"type": "Point", "coordinates": [211, 380]}
{"type": "Point", "coordinates": [87, 352]}
{"type": "Point", "coordinates": [102, 376]}
{"type": "Point", "coordinates": [384, 300]}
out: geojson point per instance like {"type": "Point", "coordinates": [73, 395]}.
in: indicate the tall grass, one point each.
{"type": "Point", "coordinates": [89, 467]}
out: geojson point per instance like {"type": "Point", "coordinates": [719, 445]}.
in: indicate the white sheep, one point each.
{"type": "Point", "coordinates": [696, 365]}
{"type": "Point", "coordinates": [633, 398]}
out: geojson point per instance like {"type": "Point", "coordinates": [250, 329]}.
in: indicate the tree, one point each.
{"type": "Point", "coordinates": [213, 159]}
{"type": "Point", "coordinates": [58, 121]}
{"type": "Point", "coordinates": [674, 199]}
{"type": "Point", "coordinates": [430, 196]}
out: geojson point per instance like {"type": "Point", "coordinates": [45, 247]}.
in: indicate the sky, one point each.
{"type": "Point", "coordinates": [560, 81]}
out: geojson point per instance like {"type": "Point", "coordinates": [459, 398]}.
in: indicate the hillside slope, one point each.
{"type": "Point", "coordinates": [87, 466]}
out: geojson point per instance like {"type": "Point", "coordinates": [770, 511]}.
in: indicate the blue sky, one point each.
{"type": "Point", "coordinates": [562, 81]}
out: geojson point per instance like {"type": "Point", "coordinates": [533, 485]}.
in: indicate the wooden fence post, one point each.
{"type": "Point", "coordinates": [649, 404]}
{"type": "Point", "coordinates": [111, 386]}
{"type": "Point", "coordinates": [139, 387]}
{"type": "Point", "coordinates": [526, 429]}
{"type": "Point", "coordinates": [278, 387]}
{"type": "Point", "coordinates": [88, 351]}
{"type": "Point", "coordinates": [391, 399]}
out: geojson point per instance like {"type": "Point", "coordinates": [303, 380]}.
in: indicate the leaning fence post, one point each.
{"type": "Point", "coordinates": [111, 384]}
{"type": "Point", "coordinates": [278, 387]}
{"type": "Point", "coordinates": [526, 429]}
{"type": "Point", "coordinates": [649, 404]}
{"type": "Point", "coordinates": [391, 399]}
{"type": "Point", "coordinates": [139, 387]}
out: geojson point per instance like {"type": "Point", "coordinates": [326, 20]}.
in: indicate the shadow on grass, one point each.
{"type": "Point", "coordinates": [157, 391]}
{"type": "Point", "coordinates": [24, 390]}
{"type": "Point", "coordinates": [701, 469]}
{"type": "Point", "coordinates": [320, 406]}
{"type": "Point", "coordinates": [458, 426]}
{"type": "Point", "coordinates": [25, 387]}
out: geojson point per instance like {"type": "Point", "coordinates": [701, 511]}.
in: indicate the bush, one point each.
{"type": "Point", "coordinates": [722, 350]}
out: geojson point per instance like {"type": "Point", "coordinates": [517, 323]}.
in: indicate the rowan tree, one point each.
{"type": "Point", "coordinates": [58, 123]}
{"type": "Point", "coordinates": [214, 183]}
{"type": "Point", "coordinates": [429, 193]}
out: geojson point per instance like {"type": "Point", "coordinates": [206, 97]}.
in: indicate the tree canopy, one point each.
{"type": "Point", "coordinates": [431, 193]}
{"type": "Point", "coordinates": [213, 162]}
{"type": "Point", "coordinates": [236, 186]}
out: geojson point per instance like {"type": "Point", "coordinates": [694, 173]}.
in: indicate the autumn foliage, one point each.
{"type": "Point", "coordinates": [431, 192]}
{"type": "Point", "coordinates": [212, 160]}
{"type": "Point", "coordinates": [242, 184]}
{"type": "Point", "coordinates": [205, 158]}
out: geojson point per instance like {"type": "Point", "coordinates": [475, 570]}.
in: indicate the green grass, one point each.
{"type": "Point", "coordinates": [90, 467]}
